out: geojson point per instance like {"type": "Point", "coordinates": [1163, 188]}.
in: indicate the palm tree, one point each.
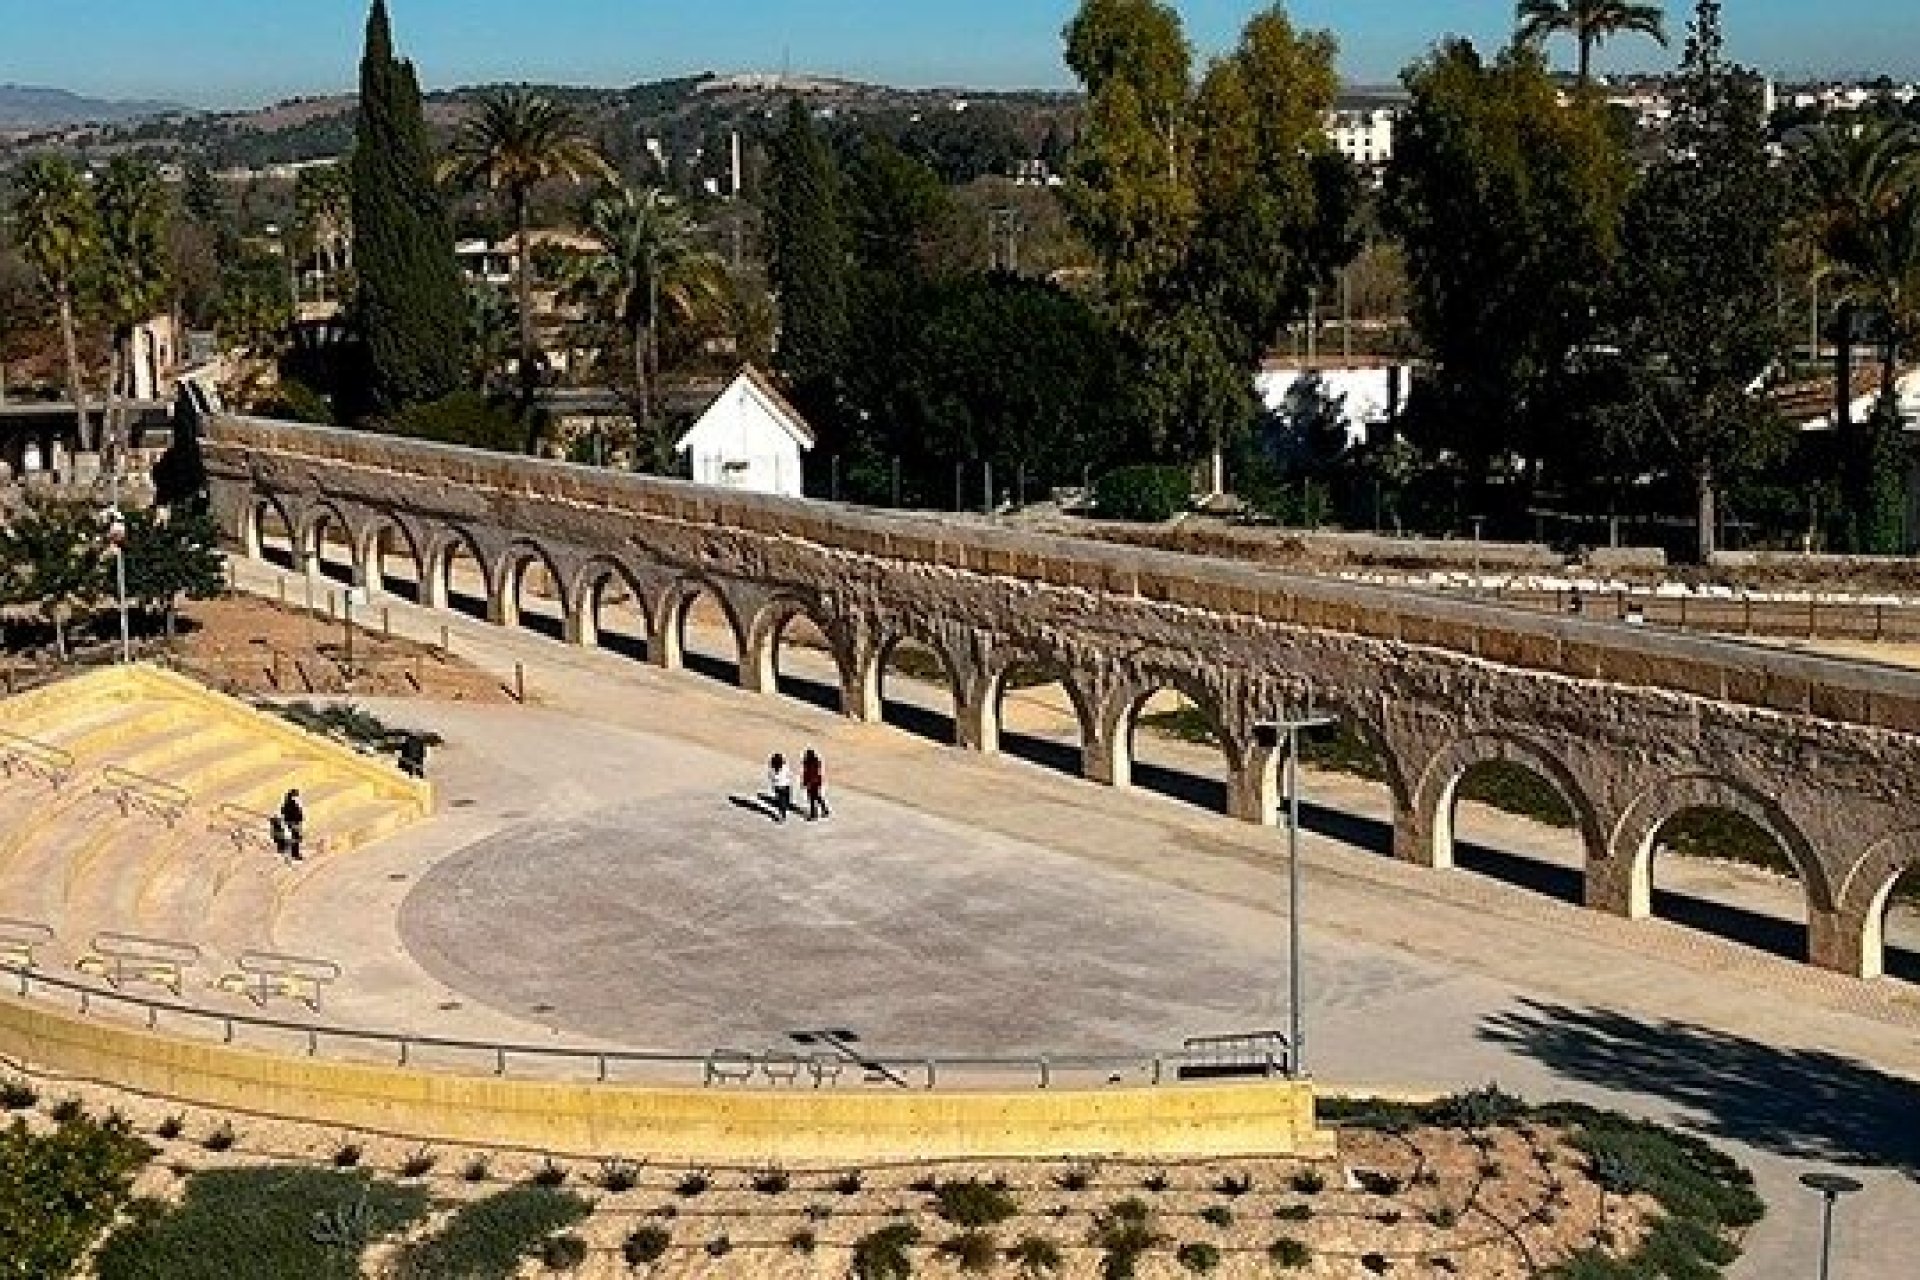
{"type": "Point", "coordinates": [1861, 179]}
{"type": "Point", "coordinates": [1590, 22]}
{"type": "Point", "coordinates": [58, 235]}
{"type": "Point", "coordinates": [517, 141]}
{"type": "Point", "coordinates": [131, 277]}
{"type": "Point", "coordinates": [323, 211]}
{"type": "Point", "coordinates": [649, 271]}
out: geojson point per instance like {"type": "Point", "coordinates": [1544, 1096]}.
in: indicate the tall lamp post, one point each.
{"type": "Point", "coordinates": [1831, 1187]}
{"type": "Point", "coordinates": [1270, 734]}
{"type": "Point", "coordinates": [117, 539]}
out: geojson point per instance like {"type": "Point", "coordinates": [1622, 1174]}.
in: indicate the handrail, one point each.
{"type": "Point", "coordinates": [35, 759]}
{"type": "Point", "coordinates": [1037, 1071]}
{"type": "Point", "coordinates": [151, 796]}
{"type": "Point", "coordinates": [18, 939]}
{"type": "Point", "coordinates": [121, 957]}
{"type": "Point", "coordinates": [243, 826]}
{"type": "Point", "coordinates": [266, 974]}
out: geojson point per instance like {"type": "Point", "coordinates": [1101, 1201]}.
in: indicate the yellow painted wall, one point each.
{"type": "Point", "coordinates": [719, 1125]}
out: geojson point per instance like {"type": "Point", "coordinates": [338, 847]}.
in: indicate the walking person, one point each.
{"type": "Point", "coordinates": [813, 780]}
{"type": "Point", "coordinates": [294, 817]}
{"type": "Point", "coordinates": [780, 781]}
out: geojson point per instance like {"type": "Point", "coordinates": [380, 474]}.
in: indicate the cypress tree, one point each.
{"type": "Point", "coordinates": [411, 307]}
{"type": "Point", "coordinates": [808, 258]}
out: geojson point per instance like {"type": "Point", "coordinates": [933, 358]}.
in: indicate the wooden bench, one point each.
{"type": "Point", "coordinates": [121, 958]}
{"type": "Point", "coordinates": [18, 940]}
{"type": "Point", "coordinates": [267, 975]}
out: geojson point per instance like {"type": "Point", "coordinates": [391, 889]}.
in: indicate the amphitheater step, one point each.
{"type": "Point", "coordinates": [103, 892]}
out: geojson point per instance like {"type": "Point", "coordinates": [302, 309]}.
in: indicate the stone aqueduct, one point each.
{"type": "Point", "coordinates": [1632, 726]}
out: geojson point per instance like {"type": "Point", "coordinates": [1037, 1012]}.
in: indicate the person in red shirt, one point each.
{"type": "Point", "coordinates": [813, 779]}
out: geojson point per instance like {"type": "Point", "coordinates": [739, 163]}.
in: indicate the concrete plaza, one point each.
{"type": "Point", "coordinates": [602, 875]}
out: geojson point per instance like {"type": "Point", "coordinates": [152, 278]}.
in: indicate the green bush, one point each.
{"type": "Point", "coordinates": [645, 1245]}
{"type": "Point", "coordinates": [1036, 1256]}
{"type": "Point", "coordinates": [884, 1254]}
{"type": "Point", "coordinates": [487, 1239]}
{"type": "Point", "coordinates": [772, 1181]}
{"type": "Point", "coordinates": [59, 1190]}
{"type": "Point", "coordinates": [17, 1095]}
{"type": "Point", "coordinates": [1310, 1182]}
{"type": "Point", "coordinates": [1294, 1213]}
{"type": "Point", "coordinates": [1289, 1254]}
{"type": "Point", "coordinates": [1123, 1234]}
{"type": "Point", "coordinates": [278, 1221]}
{"type": "Point", "coordinates": [974, 1203]}
{"type": "Point", "coordinates": [468, 419]}
{"type": "Point", "coordinates": [564, 1253]}
{"type": "Point", "coordinates": [1143, 495]}
{"type": "Point", "coordinates": [974, 1251]}
{"type": "Point", "coordinates": [1198, 1257]}
{"type": "Point", "coordinates": [1217, 1215]}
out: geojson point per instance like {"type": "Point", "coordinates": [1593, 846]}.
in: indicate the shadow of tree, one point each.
{"type": "Point", "coordinates": [1799, 1103]}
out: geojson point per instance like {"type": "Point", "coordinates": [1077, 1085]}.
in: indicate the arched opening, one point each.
{"type": "Point", "coordinates": [710, 643]}
{"type": "Point", "coordinates": [330, 543]}
{"type": "Point", "coordinates": [618, 611]}
{"type": "Point", "coordinates": [803, 663]}
{"type": "Point", "coordinates": [1177, 749]}
{"type": "Point", "coordinates": [919, 691]}
{"type": "Point", "coordinates": [1041, 719]}
{"type": "Point", "coordinates": [533, 588]}
{"type": "Point", "coordinates": [1900, 927]}
{"type": "Point", "coordinates": [274, 534]}
{"type": "Point", "coordinates": [1724, 872]}
{"type": "Point", "coordinates": [464, 574]}
{"type": "Point", "coordinates": [1510, 820]}
{"type": "Point", "coordinates": [391, 551]}
{"type": "Point", "coordinates": [1346, 786]}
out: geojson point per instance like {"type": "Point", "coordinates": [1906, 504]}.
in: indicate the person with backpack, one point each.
{"type": "Point", "coordinates": [813, 780]}
{"type": "Point", "coordinates": [294, 818]}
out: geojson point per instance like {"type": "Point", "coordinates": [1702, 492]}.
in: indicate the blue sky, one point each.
{"type": "Point", "coordinates": [239, 52]}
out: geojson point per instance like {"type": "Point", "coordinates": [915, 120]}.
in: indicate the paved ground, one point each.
{"type": "Point", "coordinates": [955, 898]}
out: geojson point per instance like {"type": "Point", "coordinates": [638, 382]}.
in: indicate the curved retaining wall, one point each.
{"type": "Point", "coordinates": [716, 1125]}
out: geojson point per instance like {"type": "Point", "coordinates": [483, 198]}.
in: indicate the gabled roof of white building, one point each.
{"type": "Point", "coordinates": [756, 389]}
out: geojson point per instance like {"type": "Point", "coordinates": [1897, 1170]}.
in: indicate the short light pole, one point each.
{"type": "Point", "coordinates": [1270, 734]}
{"type": "Point", "coordinates": [117, 539]}
{"type": "Point", "coordinates": [1831, 1187]}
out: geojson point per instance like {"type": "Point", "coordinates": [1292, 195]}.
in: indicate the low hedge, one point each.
{"type": "Point", "coordinates": [1143, 495]}
{"type": "Point", "coordinates": [59, 1190]}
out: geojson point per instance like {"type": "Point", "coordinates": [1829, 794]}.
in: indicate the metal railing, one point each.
{"type": "Point", "coordinates": [264, 975]}
{"type": "Point", "coordinates": [137, 793]}
{"type": "Point", "coordinates": [19, 940]}
{"type": "Point", "coordinates": [245, 827]}
{"type": "Point", "coordinates": [599, 1065]}
{"type": "Point", "coordinates": [128, 957]}
{"type": "Point", "coordinates": [39, 760]}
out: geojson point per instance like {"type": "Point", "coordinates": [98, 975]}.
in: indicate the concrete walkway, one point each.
{"type": "Point", "coordinates": [1139, 916]}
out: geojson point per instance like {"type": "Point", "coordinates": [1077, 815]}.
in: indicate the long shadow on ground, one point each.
{"type": "Point", "coordinates": [1799, 1103]}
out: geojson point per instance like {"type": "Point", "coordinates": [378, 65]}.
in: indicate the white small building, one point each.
{"type": "Point", "coordinates": [749, 438]}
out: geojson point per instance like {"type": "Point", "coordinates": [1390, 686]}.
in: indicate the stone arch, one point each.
{"type": "Point", "coordinates": [508, 577]}
{"type": "Point", "coordinates": [1628, 888]}
{"type": "Point", "coordinates": [991, 697]}
{"type": "Point", "coordinates": [896, 632]}
{"type": "Point", "coordinates": [444, 548]}
{"type": "Point", "coordinates": [1438, 789]}
{"type": "Point", "coordinates": [369, 552]}
{"type": "Point", "coordinates": [583, 602]}
{"type": "Point", "coordinates": [320, 515]}
{"type": "Point", "coordinates": [668, 646]}
{"type": "Point", "coordinates": [1119, 721]}
{"type": "Point", "coordinates": [253, 526]}
{"type": "Point", "coordinates": [1857, 941]}
{"type": "Point", "coordinates": [760, 670]}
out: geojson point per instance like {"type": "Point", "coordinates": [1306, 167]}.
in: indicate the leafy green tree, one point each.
{"type": "Point", "coordinates": [1591, 23]}
{"type": "Point", "coordinates": [255, 311]}
{"type": "Point", "coordinates": [170, 555]}
{"type": "Point", "coordinates": [1507, 202]}
{"type": "Point", "coordinates": [649, 273]}
{"type": "Point", "coordinates": [53, 557]}
{"type": "Point", "coordinates": [323, 217]}
{"type": "Point", "coordinates": [901, 216]}
{"type": "Point", "coordinates": [60, 1189]}
{"type": "Point", "coordinates": [807, 252]}
{"type": "Point", "coordinates": [516, 142]}
{"type": "Point", "coordinates": [58, 231]}
{"type": "Point", "coordinates": [410, 304]}
{"type": "Point", "coordinates": [493, 335]}
{"type": "Point", "coordinates": [1698, 321]}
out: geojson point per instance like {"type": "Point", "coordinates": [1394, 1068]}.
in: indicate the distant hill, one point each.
{"type": "Point", "coordinates": [24, 107]}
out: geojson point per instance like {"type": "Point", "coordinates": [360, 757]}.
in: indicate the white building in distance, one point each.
{"type": "Point", "coordinates": [1364, 135]}
{"type": "Point", "coordinates": [750, 438]}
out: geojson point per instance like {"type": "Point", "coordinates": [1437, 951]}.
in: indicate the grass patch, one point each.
{"type": "Point", "coordinates": [974, 1204]}
{"type": "Point", "coordinates": [488, 1239]}
{"type": "Point", "coordinates": [564, 1253]}
{"type": "Point", "coordinates": [308, 1222]}
{"type": "Point", "coordinates": [347, 723]}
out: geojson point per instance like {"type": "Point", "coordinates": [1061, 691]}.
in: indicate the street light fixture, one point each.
{"type": "Point", "coordinates": [117, 540]}
{"type": "Point", "coordinates": [1831, 1187]}
{"type": "Point", "coordinates": [1270, 734]}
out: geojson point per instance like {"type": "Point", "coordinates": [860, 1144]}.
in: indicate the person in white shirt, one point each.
{"type": "Point", "coordinates": [780, 780]}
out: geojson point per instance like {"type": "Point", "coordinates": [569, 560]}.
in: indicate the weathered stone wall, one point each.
{"type": "Point", "coordinates": [1634, 726]}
